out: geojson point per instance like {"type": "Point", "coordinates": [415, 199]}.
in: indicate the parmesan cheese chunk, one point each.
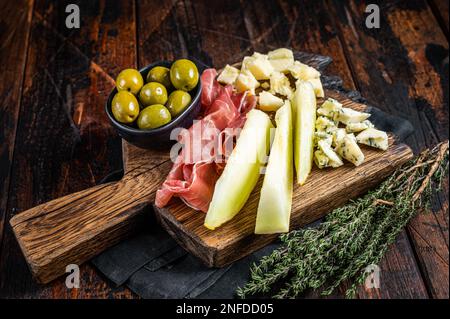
{"type": "Point", "coordinates": [269, 102]}
{"type": "Point", "coordinates": [281, 53]}
{"type": "Point", "coordinates": [228, 75]}
{"type": "Point", "coordinates": [260, 68]}
{"type": "Point", "coordinates": [279, 83]}
{"type": "Point", "coordinates": [265, 85]}
{"type": "Point", "coordinates": [281, 59]}
{"type": "Point", "coordinates": [302, 71]}
{"type": "Point", "coordinates": [245, 62]}
{"type": "Point", "coordinates": [246, 82]}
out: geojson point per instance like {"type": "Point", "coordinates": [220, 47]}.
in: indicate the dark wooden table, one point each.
{"type": "Point", "coordinates": [55, 138]}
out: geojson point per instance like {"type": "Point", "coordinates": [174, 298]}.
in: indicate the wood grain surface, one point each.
{"type": "Point", "coordinates": [63, 142]}
{"type": "Point", "coordinates": [74, 228]}
{"type": "Point", "coordinates": [401, 67]}
{"type": "Point", "coordinates": [410, 75]}
{"type": "Point", "coordinates": [13, 39]}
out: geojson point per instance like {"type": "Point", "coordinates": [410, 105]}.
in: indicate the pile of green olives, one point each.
{"type": "Point", "coordinates": [163, 96]}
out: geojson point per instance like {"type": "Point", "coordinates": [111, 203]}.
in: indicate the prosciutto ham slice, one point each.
{"type": "Point", "coordinates": [199, 164]}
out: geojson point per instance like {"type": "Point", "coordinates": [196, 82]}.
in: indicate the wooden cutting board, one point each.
{"type": "Point", "coordinates": [76, 227]}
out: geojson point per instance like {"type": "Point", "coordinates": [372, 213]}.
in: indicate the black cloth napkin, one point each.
{"type": "Point", "coordinates": [153, 265]}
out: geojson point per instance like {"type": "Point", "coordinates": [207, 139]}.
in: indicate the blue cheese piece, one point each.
{"type": "Point", "coordinates": [347, 115]}
{"type": "Point", "coordinates": [334, 159]}
{"type": "Point", "coordinates": [349, 149]}
{"type": "Point", "coordinates": [358, 127]}
{"type": "Point", "coordinates": [321, 159]}
{"type": "Point", "coordinates": [228, 75]}
{"type": "Point", "coordinates": [324, 124]}
{"type": "Point", "coordinates": [322, 136]}
{"type": "Point", "coordinates": [330, 108]}
{"type": "Point", "coordinates": [279, 84]}
{"type": "Point", "coordinates": [374, 138]}
{"type": "Point", "coordinates": [338, 136]}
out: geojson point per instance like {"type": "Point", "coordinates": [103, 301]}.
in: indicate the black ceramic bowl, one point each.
{"type": "Point", "coordinates": [158, 137]}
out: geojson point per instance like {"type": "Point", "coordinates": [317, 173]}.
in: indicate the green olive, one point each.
{"type": "Point", "coordinates": [161, 75]}
{"type": "Point", "coordinates": [129, 80]}
{"type": "Point", "coordinates": [177, 102]}
{"type": "Point", "coordinates": [125, 107]}
{"type": "Point", "coordinates": [184, 75]}
{"type": "Point", "coordinates": [153, 116]}
{"type": "Point", "coordinates": [153, 93]}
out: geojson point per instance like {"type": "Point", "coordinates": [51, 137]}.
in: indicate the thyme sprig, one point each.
{"type": "Point", "coordinates": [352, 237]}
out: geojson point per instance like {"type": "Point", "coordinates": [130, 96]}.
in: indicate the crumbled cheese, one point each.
{"type": "Point", "coordinates": [330, 108]}
{"type": "Point", "coordinates": [335, 160]}
{"type": "Point", "coordinates": [324, 124]}
{"type": "Point", "coordinates": [347, 115]}
{"type": "Point", "coordinates": [374, 138]}
{"type": "Point", "coordinates": [349, 149]}
{"type": "Point", "coordinates": [358, 127]}
{"type": "Point", "coordinates": [321, 159]}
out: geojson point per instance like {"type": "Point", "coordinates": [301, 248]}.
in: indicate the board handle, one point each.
{"type": "Point", "coordinates": [76, 227]}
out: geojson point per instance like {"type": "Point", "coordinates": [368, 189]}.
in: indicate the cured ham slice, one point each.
{"type": "Point", "coordinates": [191, 182]}
{"type": "Point", "coordinates": [200, 162]}
{"type": "Point", "coordinates": [210, 87]}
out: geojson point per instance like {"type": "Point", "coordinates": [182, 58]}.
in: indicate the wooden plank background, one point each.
{"type": "Point", "coordinates": [55, 138]}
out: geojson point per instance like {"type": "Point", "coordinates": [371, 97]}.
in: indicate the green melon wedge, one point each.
{"type": "Point", "coordinates": [274, 208]}
{"type": "Point", "coordinates": [242, 171]}
{"type": "Point", "coordinates": [304, 110]}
